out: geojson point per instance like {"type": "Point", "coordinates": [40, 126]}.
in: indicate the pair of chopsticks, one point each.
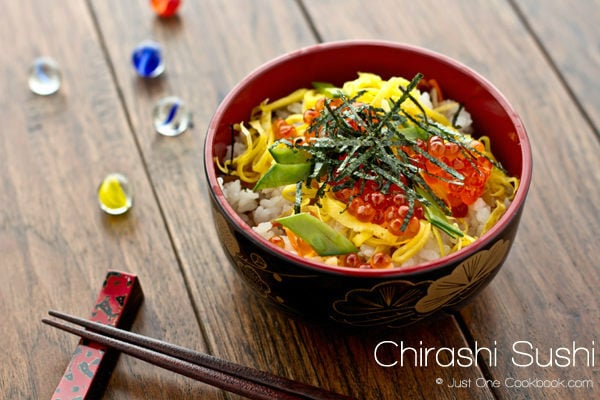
{"type": "Point", "coordinates": [234, 378]}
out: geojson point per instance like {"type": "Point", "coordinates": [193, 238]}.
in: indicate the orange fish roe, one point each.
{"type": "Point", "coordinates": [283, 130]}
{"type": "Point", "coordinates": [380, 260]}
{"type": "Point", "coordinates": [389, 210]}
{"type": "Point", "coordinates": [351, 260]}
{"type": "Point", "coordinates": [471, 164]}
{"type": "Point", "coordinates": [277, 241]}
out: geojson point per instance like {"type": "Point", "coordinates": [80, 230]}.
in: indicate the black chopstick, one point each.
{"type": "Point", "coordinates": [235, 378]}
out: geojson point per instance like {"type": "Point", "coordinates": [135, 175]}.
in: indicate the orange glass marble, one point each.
{"type": "Point", "coordinates": [165, 8]}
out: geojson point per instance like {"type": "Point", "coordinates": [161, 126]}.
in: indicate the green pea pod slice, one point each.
{"type": "Point", "coordinates": [283, 174]}
{"type": "Point", "coordinates": [437, 218]}
{"type": "Point", "coordinates": [325, 240]}
{"type": "Point", "coordinates": [327, 89]}
{"type": "Point", "coordinates": [283, 154]}
{"type": "Point", "coordinates": [413, 133]}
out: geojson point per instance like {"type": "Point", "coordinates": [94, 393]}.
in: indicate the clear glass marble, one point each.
{"type": "Point", "coordinates": [147, 59]}
{"type": "Point", "coordinates": [44, 76]}
{"type": "Point", "coordinates": [115, 194]}
{"type": "Point", "coordinates": [171, 116]}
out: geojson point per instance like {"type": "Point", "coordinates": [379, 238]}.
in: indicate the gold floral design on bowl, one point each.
{"type": "Point", "coordinates": [400, 302]}
{"type": "Point", "coordinates": [256, 271]}
{"type": "Point", "coordinates": [249, 266]}
{"type": "Point", "coordinates": [464, 279]}
{"type": "Point", "coordinates": [389, 304]}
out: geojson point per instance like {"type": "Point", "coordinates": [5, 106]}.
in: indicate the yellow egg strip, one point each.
{"type": "Point", "coordinates": [336, 210]}
{"type": "Point", "coordinates": [439, 241]}
{"type": "Point", "coordinates": [262, 160]}
{"type": "Point", "coordinates": [310, 99]}
{"type": "Point", "coordinates": [495, 215]}
{"type": "Point", "coordinates": [243, 163]}
{"type": "Point", "coordinates": [295, 97]}
{"type": "Point", "coordinates": [413, 246]}
{"type": "Point", "coordinates": [378, 90]}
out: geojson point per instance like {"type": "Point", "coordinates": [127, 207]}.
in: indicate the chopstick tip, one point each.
{"type": "Point", "coordinates": [47, 321]}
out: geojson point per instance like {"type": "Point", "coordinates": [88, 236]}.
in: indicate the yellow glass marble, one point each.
{"type": "Point", "coordinates": [115, 194]}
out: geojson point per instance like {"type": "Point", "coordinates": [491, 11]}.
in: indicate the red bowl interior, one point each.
{"type": "Point", "coordinates": [337, 62]}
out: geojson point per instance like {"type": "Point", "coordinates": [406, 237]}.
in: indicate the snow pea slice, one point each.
{"type": "Point", "coordinates": [283, 154]}
{"type": "Point", "coordinates": [413, 133]}
{"type": "Point", "coordinates": [283, 174]}
{"type": "Point", "coordinates": [325, 240]}
{"type": "Point", "coordinates": [437, 218]}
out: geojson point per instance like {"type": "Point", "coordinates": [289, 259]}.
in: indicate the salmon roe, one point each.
{"type": "Point", "coordinates": [471, 164]}
{"type": "Point", "coordinates": [380, 260]}
{"type": "Point", "coordinates": [351, 260]}
{"type": "Point", "coordinates": [277, 241]}
{"type": "Point", "coordinates": [283, 130]}
{"type": "Point", "coordinates": [390, 210]}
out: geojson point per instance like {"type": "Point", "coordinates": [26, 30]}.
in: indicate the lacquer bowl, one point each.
{"type": "Point", "coordinates": [385, 298]}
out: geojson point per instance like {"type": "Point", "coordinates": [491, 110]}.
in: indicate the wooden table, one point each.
{"type": "Point", "coordinates": [56, 244]}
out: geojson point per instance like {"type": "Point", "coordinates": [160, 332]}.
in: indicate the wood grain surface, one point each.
{"type": "Point", "coordinates": [56, 244]}
{"type": "Point", "coordinates": [567, 35]}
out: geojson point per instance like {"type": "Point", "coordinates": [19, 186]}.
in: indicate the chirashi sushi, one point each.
{"type": "Point", "coordinates": [373, 174]}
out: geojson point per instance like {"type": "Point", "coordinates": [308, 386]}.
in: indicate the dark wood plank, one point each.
{"type": "Point", "coordinates": [568, 32]}
{"type": "Point", "coordinates": [55, 243]}
{"type": "Point", "coordinates": [207, 51]}
{"type": "Point", "coordinates": [546, 293]}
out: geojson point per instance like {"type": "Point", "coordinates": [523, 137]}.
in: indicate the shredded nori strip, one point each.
{"type": "Point", "coordinates": [353, 143]}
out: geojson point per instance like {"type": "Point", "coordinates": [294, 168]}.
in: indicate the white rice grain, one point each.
{"type": "Point", "coordinates": [271, 205]}
{"type": "Point", "coordinates": [241, 199]}
{"type": "Point", "coordinates": [264, 229]}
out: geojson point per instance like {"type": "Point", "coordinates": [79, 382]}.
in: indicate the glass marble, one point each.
{"type": "Point", "coordinates": [171, 116]}
{"type": "Point", "coordinates": [115, 194]}
{"type": "Point", "coordinates": [165, 8]}
{"type": "Point", "coordinates": [44, 76]}
{"type": "Point", "coordinates": [147, 59]}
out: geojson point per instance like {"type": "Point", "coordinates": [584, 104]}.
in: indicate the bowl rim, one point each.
{"type": "Point", "coordinates": [484, 240]}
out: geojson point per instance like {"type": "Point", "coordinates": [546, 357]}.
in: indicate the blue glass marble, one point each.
{"type": "Point", "coordinates": [147, 59]}
{"type": "Point", "coordinates": [44, 76]}
{"type": "Point", "coordinates": [171, 117]}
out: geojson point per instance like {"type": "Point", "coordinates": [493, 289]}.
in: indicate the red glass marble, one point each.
{"type": "Point", "coordinates": [165, 8]}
